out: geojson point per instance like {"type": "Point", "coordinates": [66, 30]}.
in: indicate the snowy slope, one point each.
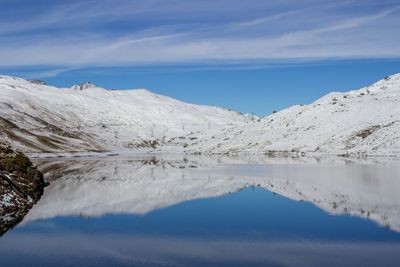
{"type": "Point", "coordinates": [361, 121]}
{"type": "Point", "coordinates": [39, 118]}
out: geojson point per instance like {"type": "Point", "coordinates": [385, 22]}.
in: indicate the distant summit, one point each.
{"type": "Point", "coordinates": [38, 82]}
{"type": "Point", "coordinates": [83, 86]}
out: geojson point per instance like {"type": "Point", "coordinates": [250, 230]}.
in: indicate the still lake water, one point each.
{"type": "Point", "coordinates": [211, 211]}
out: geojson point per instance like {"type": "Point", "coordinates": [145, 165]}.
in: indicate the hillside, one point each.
{"type": "Point", "coordinates": [363, 121]}
{"type": "Point", "coordinates": [38, 118]}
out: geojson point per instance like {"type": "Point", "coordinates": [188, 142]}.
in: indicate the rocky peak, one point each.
{"type": "Point", "coordinates": [38, 82]}
{"type": "Point", "coordinates": [83, 86]}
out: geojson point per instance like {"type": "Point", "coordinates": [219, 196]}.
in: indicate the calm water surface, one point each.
{"type": "Point", "coordinates": [179, 211]}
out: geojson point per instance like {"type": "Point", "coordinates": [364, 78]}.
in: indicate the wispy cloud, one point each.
{"type": "Point", "coordinates": [47, 73]}
{"type": "Point", "coordinates": [93, 33]}
{"type": "Point", "coordinates": [270, 18]}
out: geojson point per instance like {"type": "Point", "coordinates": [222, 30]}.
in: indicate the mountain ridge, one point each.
{"type": "Point", "coordinates": [44, 119]}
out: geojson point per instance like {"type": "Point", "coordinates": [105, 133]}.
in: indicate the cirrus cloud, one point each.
{"type": "Point", "coordinates": [115, 33]}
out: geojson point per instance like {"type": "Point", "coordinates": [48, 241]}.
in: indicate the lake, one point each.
{"type": "Point", "coordinates": [176, 210]}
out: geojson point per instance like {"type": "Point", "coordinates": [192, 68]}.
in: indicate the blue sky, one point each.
{"type": "Point", "coordinates": [252, 56]}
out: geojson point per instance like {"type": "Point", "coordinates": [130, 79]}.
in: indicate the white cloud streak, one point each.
{"type": "Point", "coordinates": [306, 33]}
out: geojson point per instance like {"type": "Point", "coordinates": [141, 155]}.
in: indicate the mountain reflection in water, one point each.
{"type": "Point", "coordinates": [178, 210]}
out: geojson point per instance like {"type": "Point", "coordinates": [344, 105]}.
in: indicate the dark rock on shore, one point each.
{"type": "Point", "coordinates": [21, 186]}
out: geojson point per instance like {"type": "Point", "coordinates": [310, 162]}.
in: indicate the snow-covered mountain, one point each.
{"type": "Point", "coordinates": [38, 118]}
{"type": "Point", "coordinates": [360, 121]}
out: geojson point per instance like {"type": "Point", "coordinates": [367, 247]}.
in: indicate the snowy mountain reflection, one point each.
{"type": "Point", "coordinates": [178, 210]}
{"type": "Point", "coordinates": [141, 184]}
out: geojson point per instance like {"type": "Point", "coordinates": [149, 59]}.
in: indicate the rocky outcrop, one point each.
{"type": "Point", "coordinates": [83, 86]}
{"type": "Point", "coordinates": [38, 82]}
{"type": "Point", "coordinates": [21, 186]}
